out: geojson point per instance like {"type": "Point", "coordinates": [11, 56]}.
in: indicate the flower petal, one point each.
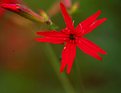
{"type": "Point", "coordinates": [11, 1]}
{"type": "Point", "coordinates": [67, 18]}
{"type": "Point", "coordinates": [68, 55]}
{"type": "Point", "coordinates": [52, 40]}
{"type": "Point", "coordinates": [88, 21]}
{"type": "Point", "coordinates": [52, 34]}
{"type": "Point", "coordinates": [86, 25]}
{"type": "Point", "coordinates": [94, 25]}
{"type": "Point", "coordinates": [11, 7]}
{"type": "Point", "coordinates": [93, 46]}
{"type": "Point", "coordinates": [88, 50]}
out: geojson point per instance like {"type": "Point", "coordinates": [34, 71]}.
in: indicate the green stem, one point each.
{"type": "Point", "coordinates": [55, 63]}
{"type": "Point", "coordinates": [79, 75]}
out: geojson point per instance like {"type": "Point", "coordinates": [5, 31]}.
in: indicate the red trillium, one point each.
{"type": "Point", "coordinates": [73, 37]}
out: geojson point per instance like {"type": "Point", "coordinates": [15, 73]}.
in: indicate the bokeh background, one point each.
{"type": "Point", "coordinates": [27, 66]}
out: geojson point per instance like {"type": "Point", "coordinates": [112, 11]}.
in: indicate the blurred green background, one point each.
{"type": "Point", "coordinates": [27, 66]}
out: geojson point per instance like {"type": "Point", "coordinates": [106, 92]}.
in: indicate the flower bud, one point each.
{"type": "Point", "coordinates": [26, 12]}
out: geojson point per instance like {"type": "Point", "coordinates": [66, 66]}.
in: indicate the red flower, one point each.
{"type": "Point", "coordinates": [74, 37]}
{"type": "Point", "coordinates": [7, 2]}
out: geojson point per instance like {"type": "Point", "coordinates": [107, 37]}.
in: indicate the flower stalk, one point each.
{"type": "Point", "coordinates": [54, 62]}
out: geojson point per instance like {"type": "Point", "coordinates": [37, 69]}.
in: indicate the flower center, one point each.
{"type": "Point", "coordinates": [72, 37]}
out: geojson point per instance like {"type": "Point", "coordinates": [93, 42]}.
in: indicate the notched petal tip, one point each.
{"type": "Point", "coordinates": [37, 39]}
{"type": "Point", "coordinates": [99, 58]}
{"type": "Point", "coordinates": [45, 33]}
{"type": "Point", "coordinates": [61, 4]}
{"type": "Point", "coordinates": [61, 69]}
{"type": "Point", "coordinates": [68, 71]}
{"type": "Point", "coordinates": [104, 19]}
{"type": "Point", "coordinates": [99, 12]}
{"type": "Point", "coordinates": [42, 34]}
{"type": "Point", "coordinates": [38, 33]}
{"type": "Point", "coordinates": [103, 52]}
